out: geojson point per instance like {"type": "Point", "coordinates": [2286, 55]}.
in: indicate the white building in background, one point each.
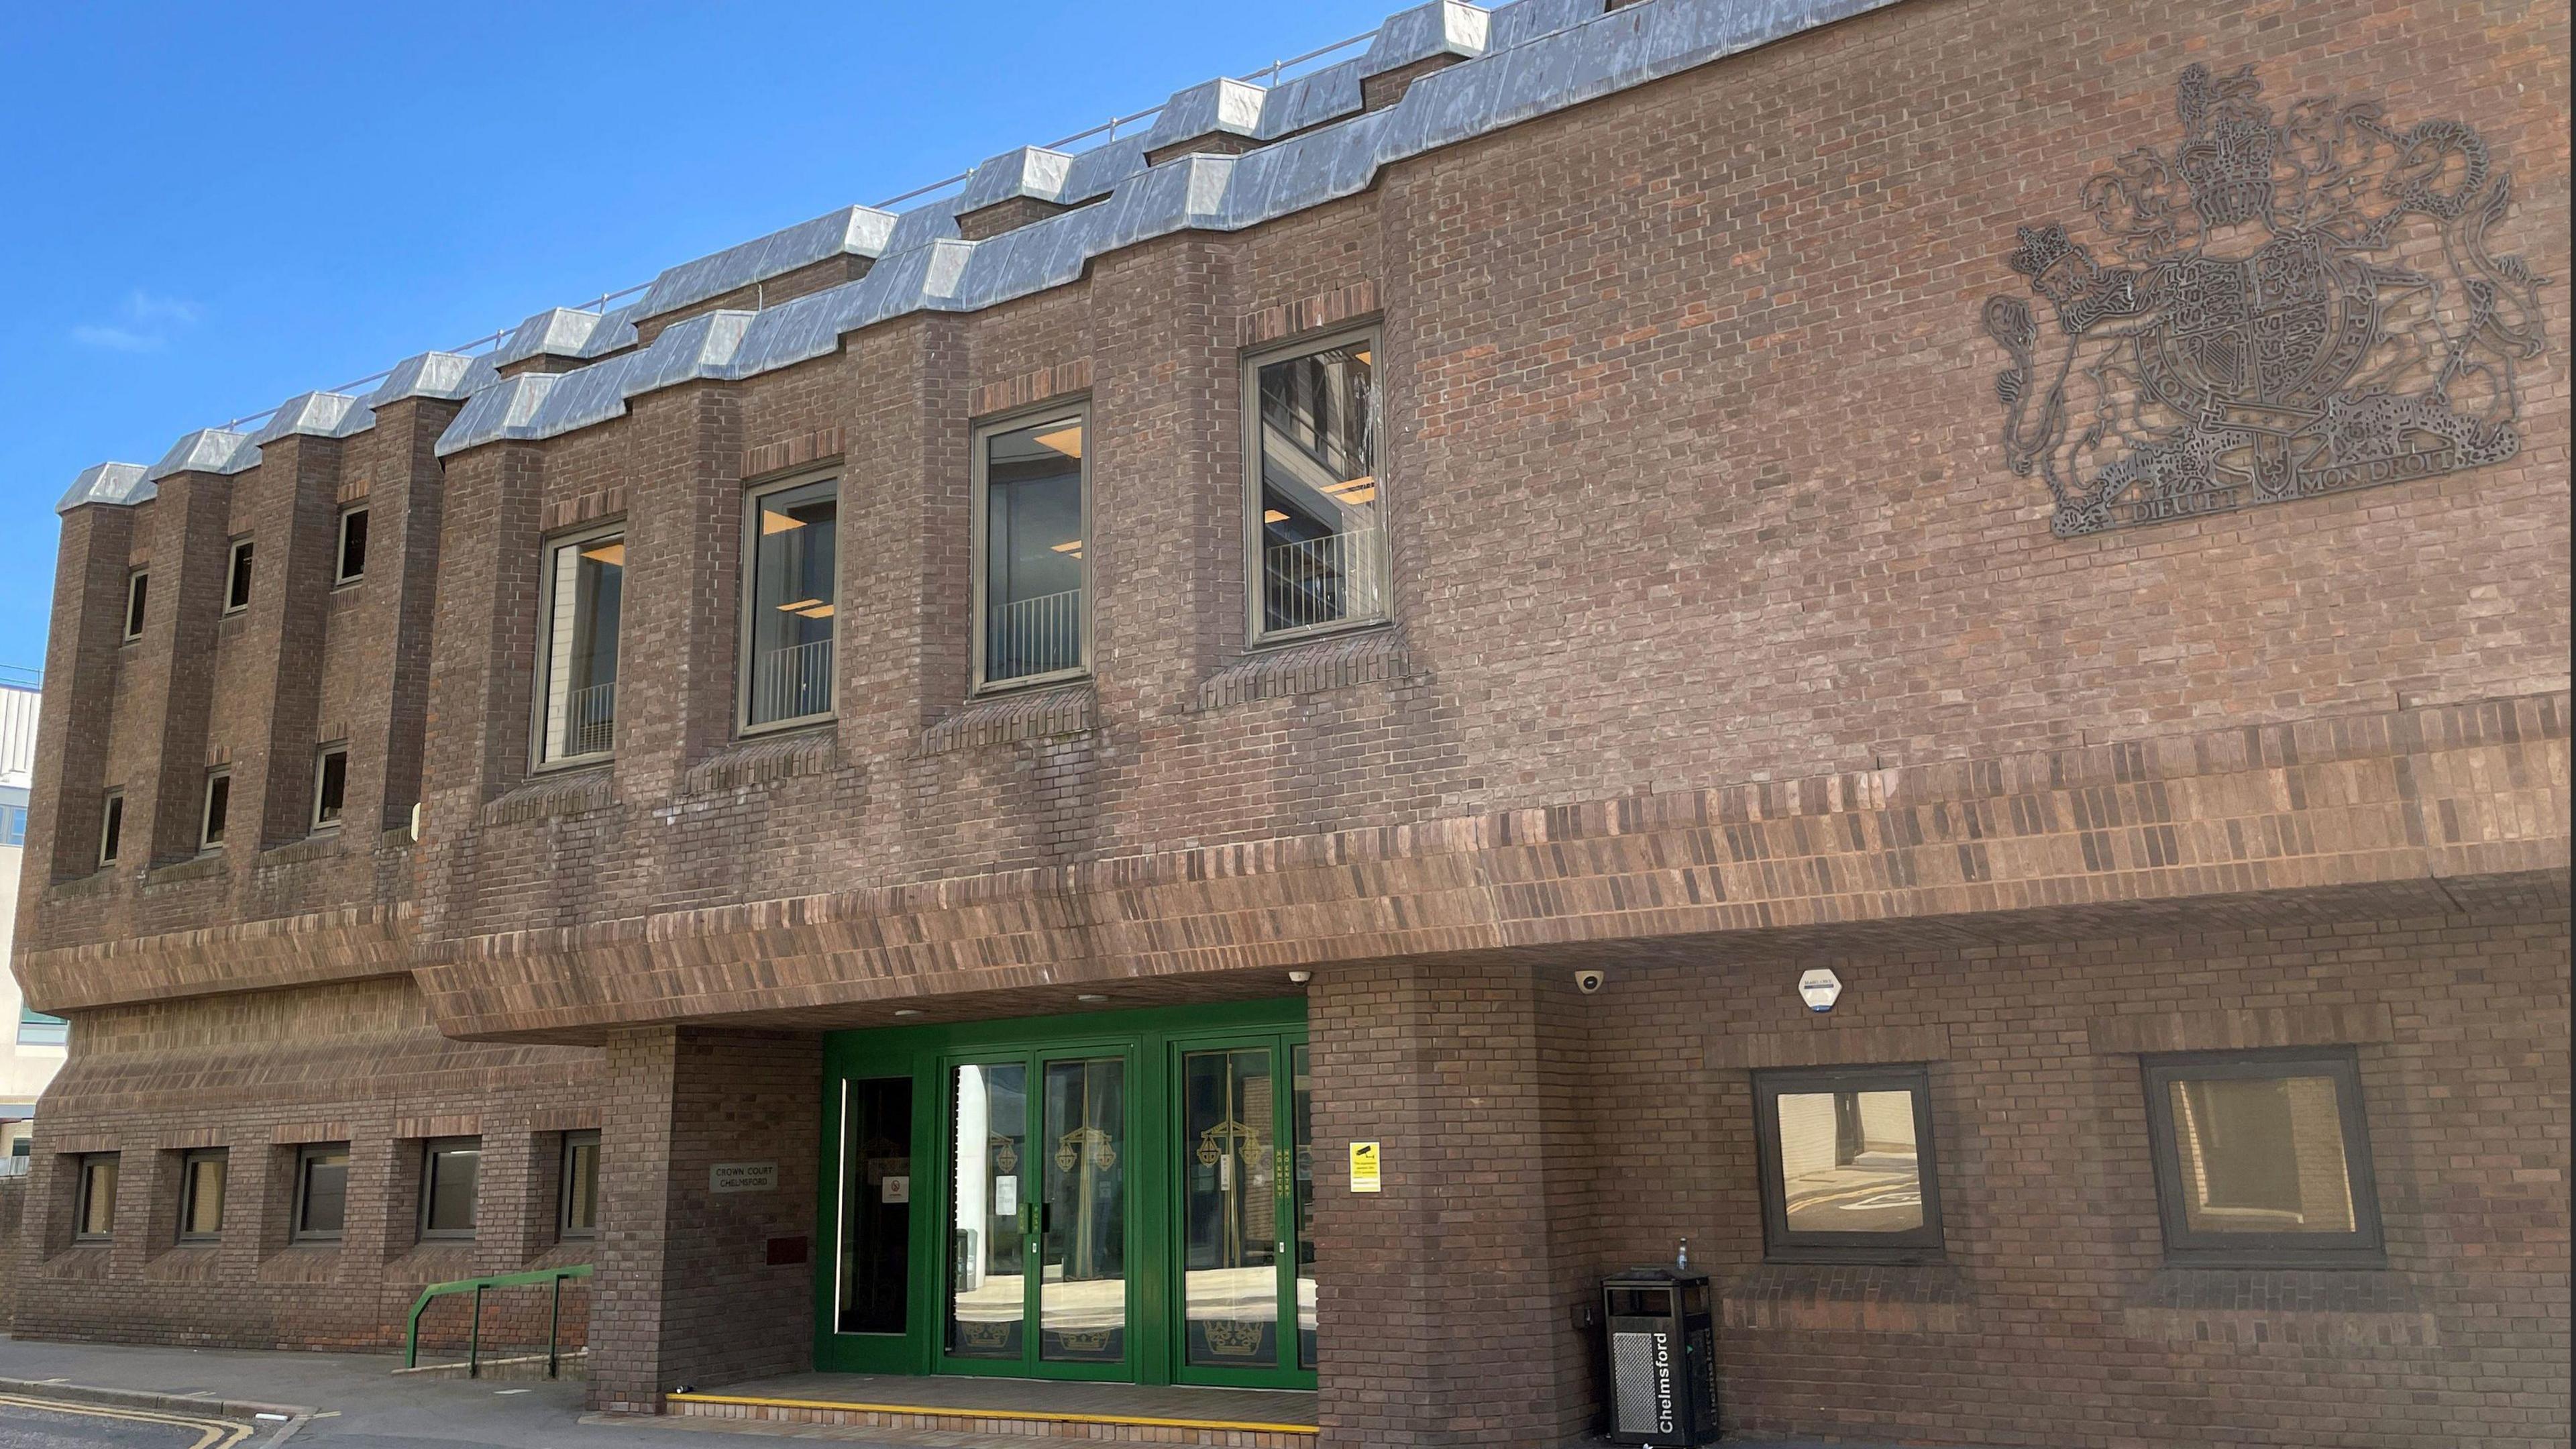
{"type": "Point", "coordinates": [33, 1051]}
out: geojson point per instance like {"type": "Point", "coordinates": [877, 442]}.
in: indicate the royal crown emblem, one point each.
{"type": "Point", "coordinates": [2270, 337]}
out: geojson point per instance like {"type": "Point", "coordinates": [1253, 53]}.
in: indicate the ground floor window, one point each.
{"type": "Point", "coordinates": [2262, 1158]}
{"type": "Point", "coordinates": [580, 1215]}
{"type": "Point", "coordinates": [321, 1191]}
{"type": "Point", "coordinates": [1847, 1166]}
{"type": "Point", "coordinates": [1124, 1196]}
{"type": "Point", "coordinates": [201, 1196]}
{"type": "Point", "coordinates": [95, 1219]}
{"type": "Point", "coordinates": [450, 1167]}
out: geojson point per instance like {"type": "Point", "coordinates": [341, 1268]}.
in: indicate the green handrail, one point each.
{"type": "Point", "coordinates": [474, 1339]}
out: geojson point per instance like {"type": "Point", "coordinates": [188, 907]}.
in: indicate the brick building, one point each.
{"type": "Point", "coordinates": [1408, 608]}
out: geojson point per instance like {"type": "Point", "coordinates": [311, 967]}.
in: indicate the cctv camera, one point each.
{"type": "Point", "coordinates": [1587, 982]}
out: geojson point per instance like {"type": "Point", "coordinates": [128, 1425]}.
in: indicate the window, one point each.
{"type": "Point", "coordinates": [791, 596]}
{"type": "Point", "coordinates": [137, 584]}
{"type": "Point", "coordinates": [96, 1219]}
{"type": "Point", "coordinates": [580, 1217]}
{"type": "Point", "coordinates": [330, 786]}
{"type": "Point", "coordinates": [353, 547]}
{"type": "Point", "coordinates": [201, 1196]}
{"type": "Point", "coordinates": [111, 828]}
{"type": "Point", "coordinates": [584, 590]}
{"type": "Point", "coordinates": [237, 578]}
{"type": "Point", "coordinates": [219, 803]}
{"type": "Point", "coordinates": [321, 1191]}
{"type": "Point", "coordinates": [2262, 1159]}
{"type": "Point", "coordinates": [1319, 546]}
{"type": "Point", "coordinates": [1030, 513]}
{"type": "Point", "coordinates": [1847, 1167]}
{"type": "Point", "coordinates": [37, 1029]}
{"type": "Point", "coordinates": [448, 1168]}
{"type": "Point", "coordinates": [13, 817]}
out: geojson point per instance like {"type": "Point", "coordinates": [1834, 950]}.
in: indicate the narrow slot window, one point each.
{"type": "Point", "coordinates": [237, 578]}
{"type": "Point", "coordinates": [201, 1196]}
{"type": "Point", "coordinates": [353, 546]}
{"type": "Point", "coordinates": [111, 828]}
{"type": "Point", "coordinates": [219, 800]}
{"type": "Point", "coordinates": [792, 603]}
{"type": "Point", "coordinates": [580, 1217]}
{"type": "Point", "coordinates": [1031, 622]}
{"type": "Point", "coordinates": [330, 786]}
{"type": "Point", "coordinates": [585, 584]}
{"type": "Point", "coordinates": [137, 585]}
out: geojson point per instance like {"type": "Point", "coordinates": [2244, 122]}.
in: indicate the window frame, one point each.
{"type": "Point", "coordinates": [340, 576]}
{"type": "Point", "coordinates": [547, 547]}
{"type": "Point", "coordinates": [188, 1192]}
{"type": "Point", "coordinates": [305, 1155]}
{"type": "Point", "coordinates": [1925, 1244]}
{"type": "Point", "coordinates": [572, 1142]}
{"type": "Point", "coordinates": [321, 770]}
{"type": "Point", "coordinates": [748, 586]}
{"type": "Point", "coordinates": [431, 1148]}
{"type": "Point", "coordinates": [84, 1164]}
{"type": "Point", "coordinates": [1075, 408]}
{"type": "Point", "coordinates": [111, 827]}
{"type": "Point", "coordinates": [2366, 1246]}
{"type": "Point", "coordinates": [138, 597]}
{"type": "Point", "coordinates": [1254, 635]}
{"type": "Point", "coordinates": [208, 838]}
{"type": "Point", "coordinates": [239, 556]}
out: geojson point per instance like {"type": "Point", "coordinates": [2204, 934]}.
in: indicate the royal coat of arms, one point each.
{"type": "Point", "coordinates": [2308, 305]}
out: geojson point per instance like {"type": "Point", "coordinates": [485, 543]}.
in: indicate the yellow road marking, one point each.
{"type": "Point", "coordinates": [1014, 1415]}
{"type": "Point", "coordinates": [216, 1433]}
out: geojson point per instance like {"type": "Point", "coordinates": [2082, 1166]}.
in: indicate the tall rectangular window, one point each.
{"type": "Point", "coordinates": [2262, 1159]}
{"type": "Point", "coordinates": [201, 1196]}
{"type": "Point", "coordinates": [791, 597]}
{"type": "Point", "coordinates": [219, 804]}
{"type": "Point", "coordinates": [111, 828]}
{"type": "Point", "coordinates": [585, 582]}
{"type": "Point", "coordinates": [580, 1216]}
{"type": "Point", "coordinates": [96, 1219]}
{"type": "Point", "coordinates": [353, 547]}
{"type": "Point", "coordinates": [137, 585]}
{"type": "Point", "coordinates": [321, 1191]}
{"type": "Point", "coordinates": [449, 1167]}
{"type": "Point", "coordinates": [1318, 544]}
{"type": "Point", "coordinates": [237, 578]}
{"type": "Point", "coordinates": [1847, 1168]}
{"type": "Point", "coordinates": [13, 817]}
{"type": "Point", "coordinates": [330, 785]}
{"type": "Point", "coordinates": [1031, 482]}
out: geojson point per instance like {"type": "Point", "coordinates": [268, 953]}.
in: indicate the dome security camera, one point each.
{"type": "Point", "coordinates": [1588, 982]}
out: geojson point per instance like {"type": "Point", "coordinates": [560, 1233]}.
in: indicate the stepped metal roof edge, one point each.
{"type": "Point", "coordinates": [1539, 56]}
{"type": "Point", "coordinates": [1550, 72]}
{"type": "Point", "coordinates": [207, 450]}
{"type": "Point", "coordinates": [116, 484]}
{"type": "Point", "coordinates": [315, 414]}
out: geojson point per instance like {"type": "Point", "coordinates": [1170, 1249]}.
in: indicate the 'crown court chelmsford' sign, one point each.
{"type": "Point", "coordinates": [2272, 337]}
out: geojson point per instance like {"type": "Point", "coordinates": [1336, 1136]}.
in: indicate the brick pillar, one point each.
{"type": "Point", "coordinates": [684, 551]}
{"type": "Point", "coordinates": [1437, 1312]}
{"type": "Point", "coordinates": [174, 663]}
{"type": "Point", "coordinates": [388, 711]}
{"type": "Point", "coordinates": [80, 679]}
{"type": "Point", "coordinates": [685, 1291]}
{"type": "Point", "coordinates": [297, 529]}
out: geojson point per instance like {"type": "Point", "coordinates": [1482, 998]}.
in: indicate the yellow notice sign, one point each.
{"type": "Point", "coordinates": [1364, 1167]}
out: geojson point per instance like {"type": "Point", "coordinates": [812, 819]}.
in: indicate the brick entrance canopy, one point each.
{"type": "Point", "coordinates": [1722, 630]}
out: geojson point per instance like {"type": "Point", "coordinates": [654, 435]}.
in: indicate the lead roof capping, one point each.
{"type": "Point", "coordinates": [1517, 62]}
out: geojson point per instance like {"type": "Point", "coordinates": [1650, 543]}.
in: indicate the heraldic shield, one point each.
{"type": "Point", "coordinates": [2306, 304]}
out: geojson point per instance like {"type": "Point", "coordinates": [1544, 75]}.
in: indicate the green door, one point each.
{"type": "Point", "coordinates": [1117, 1196]}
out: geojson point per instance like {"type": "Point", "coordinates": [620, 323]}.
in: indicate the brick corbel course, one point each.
{"type": "Point", "coordinates": [1031, 388]}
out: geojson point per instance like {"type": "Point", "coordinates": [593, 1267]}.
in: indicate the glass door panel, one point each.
{"type": "Point", "coordinates": [987, 1279]}
{"type": "Point", "coordinates": [1302, 1124]}
{"type": "Point", "coordinates": [1230, 1208]}
{"type": "Point", "coordinates": [1082, 1293]}
{"type": "Point", "coordinates": [876, 1204]}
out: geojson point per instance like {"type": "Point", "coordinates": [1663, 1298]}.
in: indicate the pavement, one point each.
{"type": "Point", "coordinates": [358, 1403]}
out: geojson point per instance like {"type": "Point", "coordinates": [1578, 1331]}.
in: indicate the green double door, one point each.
{"type": "Point", "coordinates": [1119, 1196]}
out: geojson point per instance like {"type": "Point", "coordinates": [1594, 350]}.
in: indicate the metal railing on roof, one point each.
{"type": "Point", "coordinates": [1107, 131]}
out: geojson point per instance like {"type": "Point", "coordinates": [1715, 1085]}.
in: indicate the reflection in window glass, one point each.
{"type": "Point", "coordinates": [1082, 1296]}
{"type": "Point", "coordinates": [321, 1190]}
{"type": "Point", "coordinates": [97, 1196]}
{"type": "Point", "coordinates": [1033, 568]}
{"type": "Point", "coordinates": [2262, 1155]}
{"type": "Point", "coordinates": [1848, 1162]}
{"type": "Point", "coordinates": [201, 1209]}
{"type": "Point", "coordinates": [1229, 1208]}
{"type": "Point", "coordinates": [1322, 549]}
{"type": "Point", "coordinates": [876, 1205]}
{"type": "Point", "coordinates": [1303, 1108]}
{"type": "Point", "coordinates": [580, 1185]}
{"type": "Point", "coordinates": [585, 588]}
{"type": "Point", "coordinates": [794, 597]}
{"type": "Point", "coordinates": [447, 1186]}
{"type": "Point", "coordinates": [988, 1283]}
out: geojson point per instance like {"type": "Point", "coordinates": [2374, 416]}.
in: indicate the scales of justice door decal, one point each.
{"type": "Point", "coordinates": [2308, 305]}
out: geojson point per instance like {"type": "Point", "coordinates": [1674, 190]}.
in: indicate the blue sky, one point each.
{"type": "Point", "coordinates": [204, 210]}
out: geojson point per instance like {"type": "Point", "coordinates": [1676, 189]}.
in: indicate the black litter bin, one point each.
{"type": "Point", "coordinates": [1663, 1357]}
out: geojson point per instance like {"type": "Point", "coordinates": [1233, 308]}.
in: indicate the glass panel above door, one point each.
{"type": "Point", "coordinates": [1083, 1292]}
{"type": "Point", "coordinates": [1230, 1209]}
{"type": "Point", "coordinates": [987, 1295]}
